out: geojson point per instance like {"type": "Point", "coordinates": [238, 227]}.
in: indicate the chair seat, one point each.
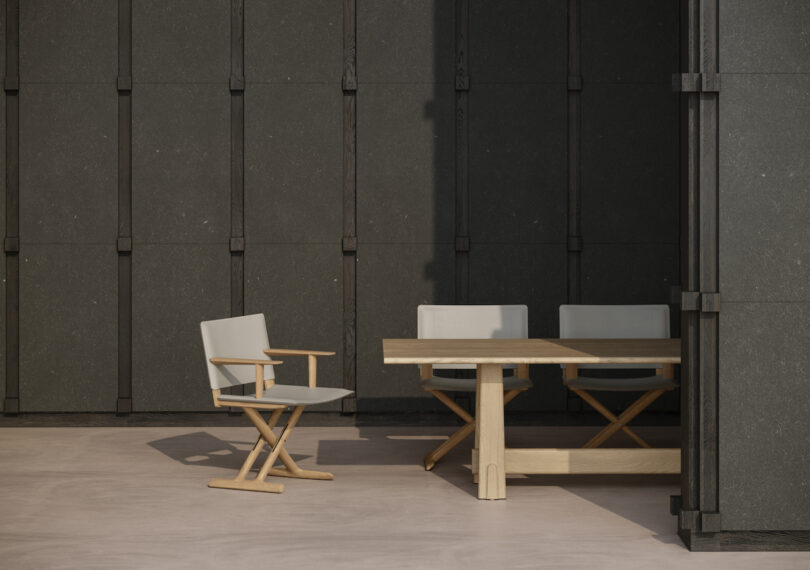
{"type": "Point", "coordinates": [291, 395]}
{"type": "Point", "coordinates": [468, 384]}
{"type": "Point", "coordinates": [621, 384]}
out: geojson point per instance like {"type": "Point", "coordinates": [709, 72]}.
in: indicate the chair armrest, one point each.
{"type": "Point", "coordinates": [218, 360]}
{"type": "Point", "coordinates": [312, 363]}
{"type": "Point", "coordinates": [294, 352]}
{"type": "Point", "coordinates": [258, 363]}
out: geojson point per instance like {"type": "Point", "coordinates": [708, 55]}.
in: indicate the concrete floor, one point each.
{"type": "Point", "coordinates": [136, 497]}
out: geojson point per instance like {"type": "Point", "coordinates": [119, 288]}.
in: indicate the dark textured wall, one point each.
{"type": "Point", "coordinates": [764, 265]}
{"type": "Point", "coordinates": [294, 181]}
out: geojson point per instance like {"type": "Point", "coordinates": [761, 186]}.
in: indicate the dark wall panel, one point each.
{"type": "Point", "coordinates": [517, 41]}
{"type": "Point", "coordinates": [764, 37]}
{"type": "Point", "coordinates": [68, 357]}
{"type": "Point", "coordinates": [393, 280]}
{"type": "Point", "coordinates": [629, 151]}
{"type": "Point", "coordinates": [180, 164]}
{"type": "Point", "coordinates": [405, 188]}
{"type": "Point", "coordinates": [517, 164]}
{"type": "Point", "coordinates": [404, 41]}
{"type": "Point", "coordinates": [294, 41]}
{"type": "Point", "coordinates": [764, 200]}
{"type": "Point", "coordinates": [764, 262]}
{"type": "Point", "coordinates": [629, 164]}
{"type": "Point", "coordinates": [628, 273]}
{"type": "Point", "coordinates": [763, 414]}
{"type": "Point", "coordinates": [68, 162]}
{"type": "Point", "coordinates": [298, 287]}
{"type": "Point", "coordinates": [181, 41]}
{"type": "Point", "coordinates": [174, 287]}
{"type": "Point", "coordinates": [3, 206]}
{"type": "Point", "coordinates": [181, 196]}
{"type": "Point", "coordinates": [629, 41]}
{"type": "Point", "coordinates": [68, 42]}
{"type": "Point", "coordinates": [68, 323]}
{"type": "Point", "coordinates": [293, 162]}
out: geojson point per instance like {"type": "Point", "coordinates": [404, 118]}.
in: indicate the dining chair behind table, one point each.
{"type": "Point", "coordinates": [468, 322]}
{"type": "Point", "coordinates": [237, 352]}
{"type": "Point", "coordinates": [616, 321]}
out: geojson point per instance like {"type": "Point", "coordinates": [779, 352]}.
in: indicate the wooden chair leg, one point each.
{"type": "Point", "coordinates": [277, 451]}
{"type": "Point", "coordinates": [458, 436]}
{"type": "Point", "coordinates": [469, 426]}
{"type": "Point", "coordinates": [240, 482]}
{"type": "Point", "coordinates": [619, 423]}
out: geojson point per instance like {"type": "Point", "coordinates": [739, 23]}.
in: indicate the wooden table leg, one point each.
{"type": "Point", "coordinates": [490, 432]}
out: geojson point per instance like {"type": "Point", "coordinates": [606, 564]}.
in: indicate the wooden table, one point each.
{"type": "Point", "coordinates": [491, 459]}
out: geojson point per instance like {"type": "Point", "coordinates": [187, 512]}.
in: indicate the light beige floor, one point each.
{"type": "Point", "coordinates": [136, 497]}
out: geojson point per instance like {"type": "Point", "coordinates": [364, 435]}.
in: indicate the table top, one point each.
{"type": "Point", "coordinates": [531, 351]}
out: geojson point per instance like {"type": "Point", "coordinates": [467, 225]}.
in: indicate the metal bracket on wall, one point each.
{"type": "Point", "coordinates": [11, 245]}
{"type": "Point", "coordinates": [575, 83]}
{"type": "Point", "coordinates": [696, 82]}
{"type": "Point", "coordinates": [574, 243]}
{"type": "Point", "coordinates": [11, 83]}
{"type": "Point", "coordinates": [124, 245]}
{"type": "Point", "coordinates": [237, 84]}
{"type": "Point", "coordinates": [350, 83]}
{"type": "Point", "coordinates": [237, 244]}
{"type": "Point", "coordinates": [125, 84]}
{"type": "Point", "coordinates": [704, 302]}
{"type": "Point", "coordinates": [462, 243]}
{"type": "Point", "coordinates": [349, 244]}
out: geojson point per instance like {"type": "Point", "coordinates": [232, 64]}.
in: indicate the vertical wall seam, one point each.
{"type": "Point", "coordinates": [349, 241]}
{"type": "Point", "coordinates": [237, 162]}
{"type": "Point", "coordinates": [124, 245]}
{"type": "Point", "coordinates": [236, 243]}
{"type": "Point", "coordinates": [11, 245]}
{"type": "Point", "coordinates": [574, 198]}
{"type": "Point", "coordinates": [574, 238]}
{"type": "Point", "coordinates": [708, 260]}
{"type": "Point", "coordinates": [462, 153]}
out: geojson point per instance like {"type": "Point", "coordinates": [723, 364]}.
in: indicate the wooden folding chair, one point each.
{"type": "Point", "coordinates": [616, 321]}
{"type": "Point", "coordinates": [237, 352]}
{"type": "Point", "coordinates": [468, 321]}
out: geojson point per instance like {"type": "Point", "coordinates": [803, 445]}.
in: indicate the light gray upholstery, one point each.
{"type": "Point", "coordinates": [291, 395]}
{"type": "Point", "coordinates": [621, 384]}
{"type": "Point", "coordinates": [472, 321]}
{"type": "Point", "coordinates": [468, 384]}
{"type": "Point", "coordinates": [236, 337]}
{"type": "Point", "coordinates": [616, 321]}
{"type": "Point", "coordinates": [246, 337]}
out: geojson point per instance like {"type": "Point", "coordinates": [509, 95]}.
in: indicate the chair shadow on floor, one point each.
{"type": "Point", "coordinates": [202, 448]}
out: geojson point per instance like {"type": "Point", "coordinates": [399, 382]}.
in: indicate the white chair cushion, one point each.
{"type": "Point", "coordinates": [291, 395]}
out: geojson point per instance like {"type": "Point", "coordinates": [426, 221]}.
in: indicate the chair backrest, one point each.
{"type": "Point", "coordinates": [614, 321]}
{"type": "Point", "coordinates": [472, 321]}
{"type": "Point", "coordinates": [237, 337]}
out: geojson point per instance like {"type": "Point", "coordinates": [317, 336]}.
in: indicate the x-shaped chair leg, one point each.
{"type": "Point", "coordinates": [618, 423]}
{"type": "Point", "coordinates": [277, 451]}
{"type": "Point", "coordinates": [459, 435]}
